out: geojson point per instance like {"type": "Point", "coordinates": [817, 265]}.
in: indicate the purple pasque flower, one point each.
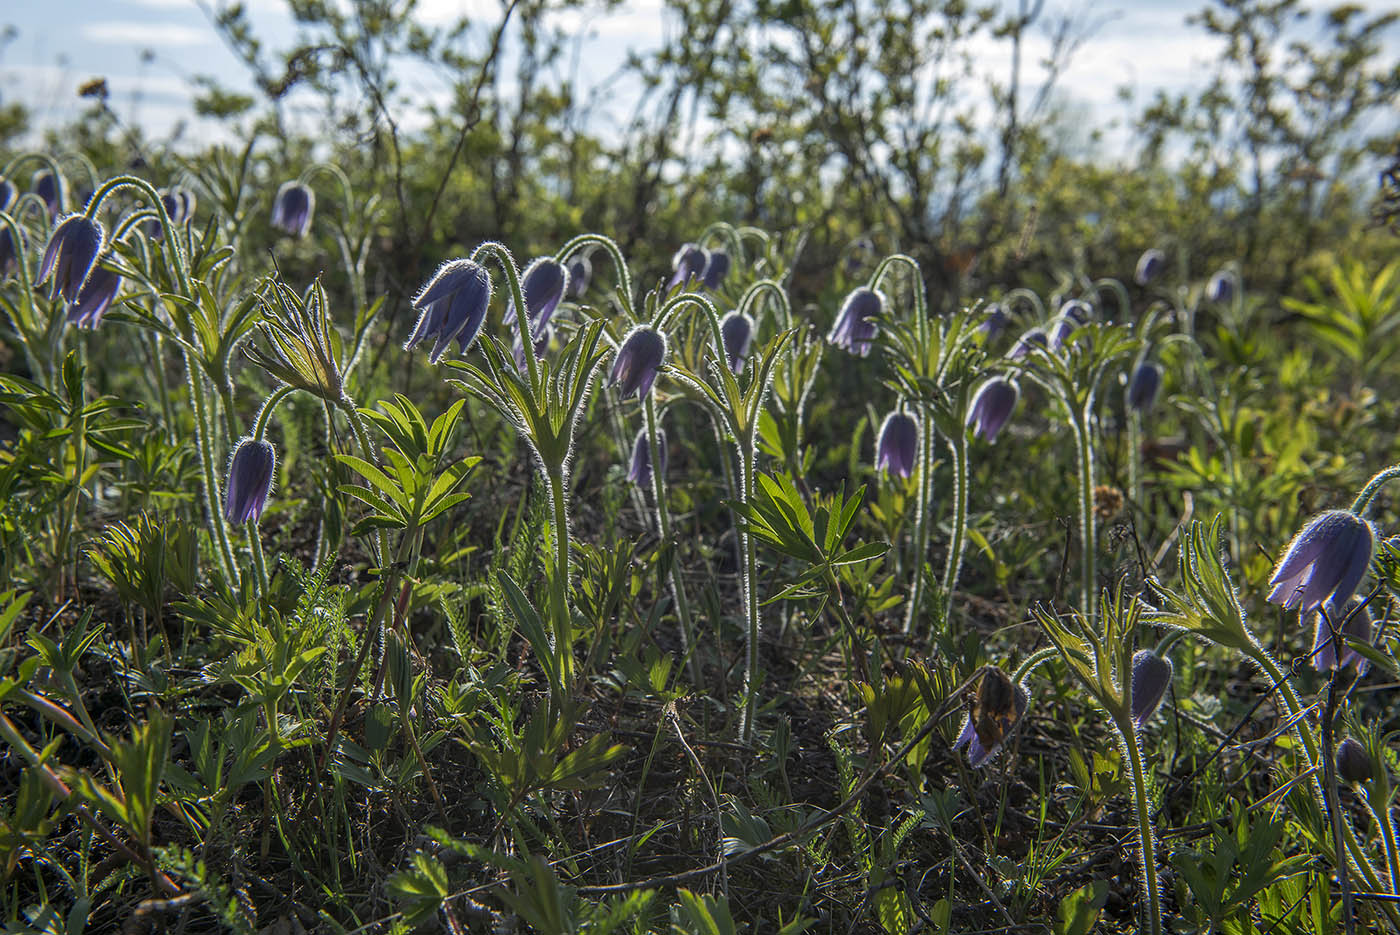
{"type": "Point", "coordinates": [1221, 287]}
{"type": "Point", "coordinates": [1144, 386]}
{"type": "Point", "coordinates": [249, 480]}
{"type": "Point", "coordinates": [8, 193]}
{"type": "Point", "coordinates": [542, 338]}
{"type": "Point", "coordinates": [179, 205]}
{"type": "Point", "coordinates": [638, 360]}
{"type": "Point", "coordinates": [47, 187]}
{"type": "Point", "coordinates": [293, 207]}
{"type": "Point", "coordinates": [9, 254]}
{"type": "Point", "coordinates": [994, 321]}
{"type": "Point", "coordinates": [1324, 562]}
{"type": "Point", "coordinates": [687, 264]}
{"type": "Point", "coordinates": [1353, 763]}
{"type": "Point", "coordinates": [94, 299]}
{"type": "Point", "coordinates": [857, 323]}
{"type": "Point", "coordinates": [998, 708]}
{"type": "Point", "coordinates": [1151, 677]}
{"type": "Point", "coordinates": [580, 272]}
{"type": "Point", "coordinates": [1150, 265]}
{"type": "Point", "coordinates": [992, 406]}
{"type": "Point", "coordinates": [71, 255]}
{"type": "Point", "coordinates": [736, 328]}
{"type": "Point", "coordinates": [543, 284]}
{"type": "Point", "coordinates": [1352, 622]}
{"type": "Point", "coordinates": [716, 268]}
{"type": "Point", "coordinates": [1029, 340]}
{"type": "Point", "coordinates": [897, 445]}
{"type": "Point", "coordinates": [453, 304]}
{"type": "Point", "coordinates": [640, 470]}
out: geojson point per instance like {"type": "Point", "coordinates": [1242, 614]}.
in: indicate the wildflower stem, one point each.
{"type": "Point", "coordinates": [212, 494]}
{"type": "Point", "coordinates": [663, 519]}
{"type": "Point", "coordinates": [1147, 851]}
{"type": "Point", "coordinates": [958, 444]}
{"type": "Point", "coordinates": [1084, 450]}
{"type": "Point", "coordinates": [1135, 458]}
{"type": "Point", "coordinates": [1033, 662]}
{"type": "Point", "coordinates": [921, 515]}
{"type": "Point", "coordinates": [624, 278]}
{"type": "Point", "coordinates": [746, 547]}
{"type": "Point", "coordinates": [559, 582]}
{"type": "Point", "coordinates": [1362, 505]}
{"type": "Point", "coordinates": [1387, 829]}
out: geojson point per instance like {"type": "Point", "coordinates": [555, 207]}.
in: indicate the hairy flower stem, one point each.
{"type": "Point", "coordinates": [212, 493]}
{"type": "Point", "coordinates": [922, 509]}
{"type": "Point", "coordinates": [958, 444]}
{"type": "Point", "coordinates": [1362, 505]}
{"type": "Point", "coordinates": [1387, 829]}
{"type": "Point", "coordinates": [559, 586]}
{"type": "Point", "coordinates": [747, 466]}
{"type": "Point", "coordinates": [663, 521]}
{"type": "Point", "coordinates": [1147, 851]}
{"type": "Point", "coordinates": [1135, 458]}
{"type": "Point", "coordinates": [1079, 420]}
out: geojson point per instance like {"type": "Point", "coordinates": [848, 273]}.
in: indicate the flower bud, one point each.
{"type": "Point", "coordinates": [1150, 265]}
{"type": "Point", "coordinates": [71, 255]}
{"type": "Point", "coordinates": [856, 323]}
{"type": "Point", "coordinates": [1353, 764]}
{"type": "Point", "coordinates": [736, 329]}
{"type": "Point", "coordinates": [716, 268]}
{"type": "Point", "coordinates": [994, 322]}
{"type": "Point", "coordinates": [249, 480]}
{"type": "Point", "coordinates": [46, 186]}
{"type": "Point", "coordinates": [1221, 287]}
{"type": "Point", "coordinates": [640, 471]}
{"type": "Point", "coordinates": [1143, 387]}
{"type": "Point", "coordinates": [292, 208]}
{"type": "Point", "coordinates": [898, 444]}
{"type": "Point", "coordinates": [992, 406]}
{"type": "Point", "coordinates": [580, 272]}
{"type": "Point", "coordinates": [1152, 676]}
{"type": "Point", "coordinates": [1029, 340]}
{"type": "Point", "coordinates": [638, 360]}
{"type": "Point", "coordinates": [452, 305]}
{"type": "Point", "coordinates": [179, 206]}
{"type": "Point", "coordinates": [688, 264]}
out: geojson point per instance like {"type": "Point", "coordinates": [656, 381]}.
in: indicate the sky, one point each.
{"type": "Point", "coordinates": [150, 50]}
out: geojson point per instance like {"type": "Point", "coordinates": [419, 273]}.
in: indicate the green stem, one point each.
{"type": "Point", "coordinates": [212, 494]}
{"type": "Point", "coordinates": [1362, 505]}
{"type": "Point", "coordinates": [663, 518]}
{"type": "Point", "coordinates": [1033, 662]}
{"type": "Point", "coordinates": [624, 278]}
{"type": "Point", "coordinates": [747, 466]}
{"type": "Point", "coordinates": [259, 563]}
{"type": "Point", "coordinates": [955, 550]}
{"type": "Point", "coordinates": [1147, 853]}
{"type": "Point", "coordinates": [1135, 457]}
{"type": "Point", "coordinates": [1085, 455]}
{"type": "Point", "coordinates": [559, 584]}
{"type": "Point", "coordinates": [1387, 829]}
{"type": "Point", "coordinates": [921, 516]}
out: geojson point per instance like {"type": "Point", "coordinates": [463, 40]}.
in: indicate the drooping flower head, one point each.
{"type": "Point", "coordinates": [716, 268]}
{"type": "Point", "coordinates": [542, 338]}
{"type": "Point", "coordinates": [997, 709]}
{"type": "Point", "coordinates": [249, 480]}
{"type": "Point", "coordinates": [1150, 265]}
{"type": "Point", "coordinates": [9, 253]}
{"type": "Point", "coordinates": [543, 284]}
{"type": "Point", "coordinates": [897, 446]}
{"type": "Point", "coordinates": [94, 299]}
{"type": "Point", "coordinates": [1029, 340]}
{"type": "Point", "coordinates": [687, 264]}
{"type": "Point", "coordinates": [994, 322]}
{"type": "Point", "coordinates": [992, 406]}
{"type": "Point", "coordinates": [46, 186]}
{"type": "Point", "coordinates": [857, 323]}
{"type": "Point", "coordinates": [1221, 287]}
{"type": "Point", "coordinates": [71, 255]}
{"type": "Point", "coordinates": [1144, 386]}
{"type": "Point", "coordinates": [452, 305]}
{"type": "Point", "coordinates": [736, 328]}
{"type": "Point", "coordinates": [640, 470]}
{"type": "Point", "coordinates": [580, 272]}
{"type": "Point", "coordinates": [179, 205]}
{"type": "Point", "coordinates": [293, 207]}
{"type": "Point", "coordinates": [1353, 621]}
{"type": "Point", "coordinates": [8, 193]}
{"type": "Point", "coordinates": [1324, 562]}
{"type": "Point", "coordinates": [1353, 763]}
{"type": "Point", "coordinates": [1152, 676]}
{"type": "Point", "coordinates": [638, 360]}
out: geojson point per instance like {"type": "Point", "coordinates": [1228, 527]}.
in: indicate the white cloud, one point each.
{"type": "Point", "coordinates": [145, 34]}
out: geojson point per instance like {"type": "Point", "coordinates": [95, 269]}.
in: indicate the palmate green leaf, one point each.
{"type": "Point", "coordinates": [380, 481]}
{"type": "Point", "coordinates": [421, 891]}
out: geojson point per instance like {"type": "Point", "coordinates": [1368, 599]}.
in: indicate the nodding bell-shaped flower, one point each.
{"type": "Point", "coordinates": [293, 207]}
{"type": "Point", "coordinates": [1324, 562]}
{"type": "Point", "coordinates": [1060, 330]}
{"type": "Point", "coordinates": [1353, 763]}
{"type": "Point", "coordinates": [640, 470]}
{"type": "Point", "coordinates": [997, 709]}
{"type": "Point", "coordinates": [638, 360]}
{"type": "Point", "coordinates": [179, 205]}
{"type": "Point", "coordinates": [47, 188]}
{"type": "Point", "coordinates": [580, 272]}
{"type": "Point", "coordinates": [994, 322]}
{"type": "Point", "coordinates": [1152, 676]}
{"type": "Point", "coordinates": [688, 264]}
{"type": "Point", "coordinates": [8, 193]}
{"type": "Point", "coordinates": [94, 299]}
{"type": "Point", "coordinates": [71, 255]}
{"type": "Point", "coordinates": [1221, 287]}
{"type": "Point", "coordinates": [1150, 265]}
{"type": "Point", "coordinates": [856, 324]}
{"type": "Point", "coordinates": [716, 268]}
{"type": "Point", "coordinates": [898, 444]}
{"type": "Point", "coordinates": [1144, 386]}
{"type": "Point", "coordinates": [1029, 340]}
{"type": "Point", "coordinates": [736, 328]}
{"type": "Point", "coordinates": [452, 305]}
{"type": "Point", "coordinates": [1352, 622]}
{"type": "Point", "coordinates": [249, 480]}
{"type": "Point", "coordinates": [9, 254]}
{"type": "Point", "coordinates": [543, 283]}
{"type": "Point", "coordinates": [992, 406]}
